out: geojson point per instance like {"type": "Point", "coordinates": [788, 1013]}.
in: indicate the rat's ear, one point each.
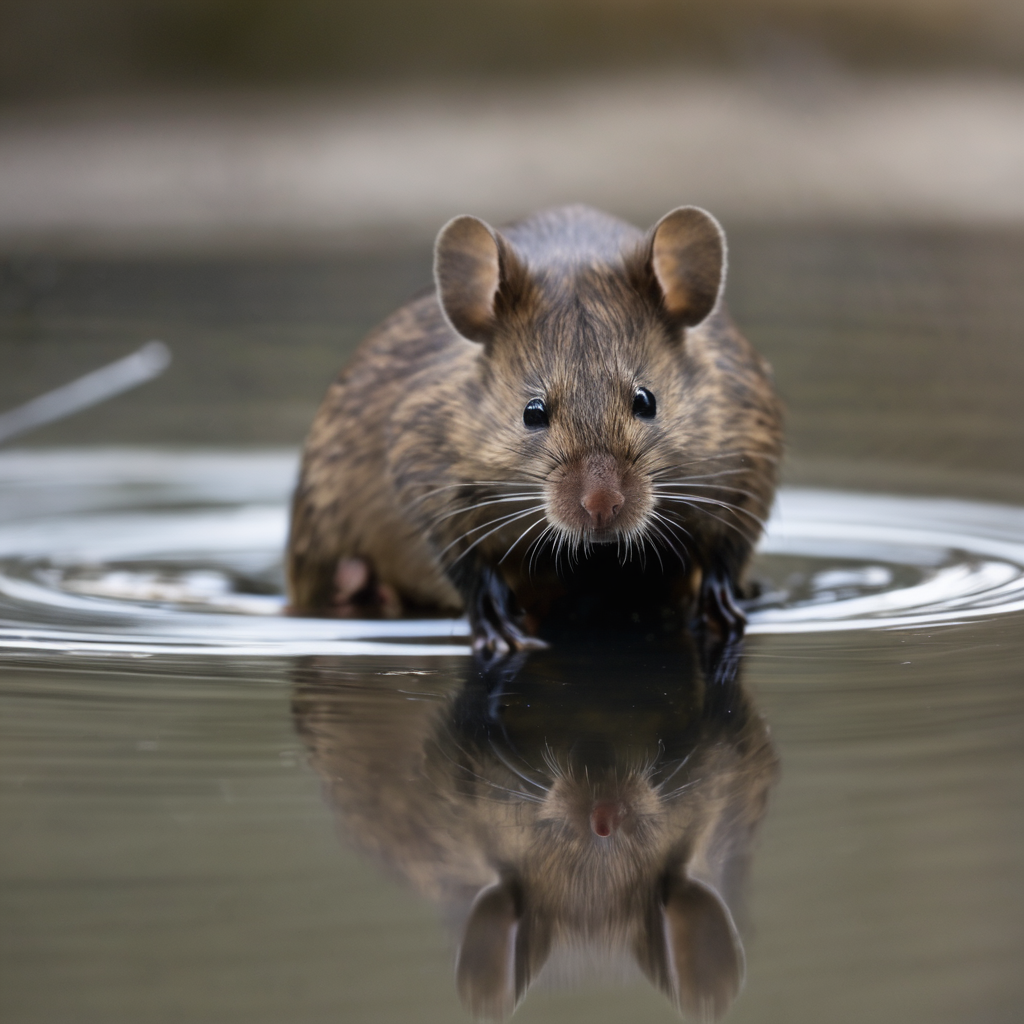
{"type": "Point", "coordinates": [686, 259]}
{"type": "Point", "coordinates": [498, 957]}
{"type": "Point", "coordinates": [691, 950]}
{"type": "Point", "coordinates": [476, 273]}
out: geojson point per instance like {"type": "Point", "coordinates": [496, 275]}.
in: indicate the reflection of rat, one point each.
{"type": "Point", "coordinates": [570, 421]}
{"type": "Point", "coordinates": [594, 803]}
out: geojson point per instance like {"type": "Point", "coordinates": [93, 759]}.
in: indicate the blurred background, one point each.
{"type": "Point", "coordinates": [256, 183]}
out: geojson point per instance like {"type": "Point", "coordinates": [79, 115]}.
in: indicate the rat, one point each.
{"type": "Point", "coordinates": [568, 428]}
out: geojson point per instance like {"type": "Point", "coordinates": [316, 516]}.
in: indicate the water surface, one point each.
{"type": "Point", "coordinates": [171, 849]}
{"type": "Point", "coordinates": [176, 844]}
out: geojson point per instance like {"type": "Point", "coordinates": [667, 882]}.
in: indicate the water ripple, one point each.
{"type": "Point", "coordinates": [140, 554]}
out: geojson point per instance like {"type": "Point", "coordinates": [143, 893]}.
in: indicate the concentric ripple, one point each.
{"type": "Point", "coordinates": [154, 553]}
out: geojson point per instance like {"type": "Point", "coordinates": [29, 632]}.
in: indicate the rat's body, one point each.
{"type": "Point", "coordinates": [571, 417]}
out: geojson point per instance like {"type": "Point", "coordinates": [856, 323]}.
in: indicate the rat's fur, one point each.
{"type": "Point", "coordinates": [419, 468]}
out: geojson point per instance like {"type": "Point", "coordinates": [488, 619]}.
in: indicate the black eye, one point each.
{"type": "Point", "coordinates": [644, 404]}
{"type": "Point", "coordinates": [536, 413]}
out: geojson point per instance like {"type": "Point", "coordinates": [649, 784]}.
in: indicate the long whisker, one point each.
{"type": "Point", "coordinates": [701, 499]}
{"type": "Point", "coordinates": [532, 526]}
{"type": "Point", "coordinates": [711, 515]}
{"type": "Point", "coordinates": [658, 474]}
{"type": "Point", "coordinates": [536, 545]}
{"type": "Point", "coordinates": [551, 762]}
{"type": "Point", "coordinates": [666, 518]}
{"type": "Point", "coordinates": [654, 547]}
{"type": "Point", "coordinates": [518, 496]}
{"type": "Point", "coordinates": [741, 453]}
{"type": "Point", "coordinates": [686, 483]}
{"type": "Point", "coordinates": [667, 539]}
{"type": "Point", "coordinates": [469, 483]}
{"type": "Point", "coordinates": [516, 771]}
{"type": "Point", "coordinates": [511, 516]}
{"type": "Point", "coordinates": [679, 789]}
{"type": "Point", "coordinates": [505, 521]}
{"type": "Point", "coordinates": [675, 771]}
{"type": "Point", "coordinates": [490, 782]}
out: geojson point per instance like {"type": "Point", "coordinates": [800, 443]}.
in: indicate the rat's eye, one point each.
{"type": "Point", "coordinates": [536, 413]}
{"type": "Point", "coordinates": [644, 404]}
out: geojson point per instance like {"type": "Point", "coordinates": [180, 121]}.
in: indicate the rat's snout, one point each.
{"type": "Point", "coordinates": [595, 496]}
{"type": "Point", "coordinates": [606, 817]}
{"type": "Point", "coordinates": [602, 503]}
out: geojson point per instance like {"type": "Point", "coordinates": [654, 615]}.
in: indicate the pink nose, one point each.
{"type": "Point", "coordinates": [602, 505]}
{"type": "Point", "coordinates": [605, 818]}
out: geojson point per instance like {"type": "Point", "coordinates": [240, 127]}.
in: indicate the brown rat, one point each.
{"type": "Point", "coordinates": [568, 428]}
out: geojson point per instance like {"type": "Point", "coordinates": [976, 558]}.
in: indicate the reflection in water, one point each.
{"type": "Point", "coordinates": [583, 806]}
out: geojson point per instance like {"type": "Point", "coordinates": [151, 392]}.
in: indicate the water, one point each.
{"type": "Point", "coordinates": [203, 800]}
{"type": "Point", "coordinates": [169, 851]}
{"type": "Point", "coordinates": [180, 554]}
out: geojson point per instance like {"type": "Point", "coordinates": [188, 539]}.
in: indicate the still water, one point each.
{"type": "Point", "coordinates": [214, 812]}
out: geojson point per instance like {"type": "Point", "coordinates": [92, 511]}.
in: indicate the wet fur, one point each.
{"type": "Point", "coordinates": [419, 446]}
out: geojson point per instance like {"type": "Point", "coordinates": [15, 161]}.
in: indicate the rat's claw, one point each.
{"type": "Point", "coordinates": [496, 633]}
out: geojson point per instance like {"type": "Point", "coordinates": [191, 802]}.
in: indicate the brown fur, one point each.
{"type": "Point", "coordinates": [420, 449]}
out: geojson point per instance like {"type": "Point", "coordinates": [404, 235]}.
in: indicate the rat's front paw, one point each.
{"type": "Point", "coordinates": [495, 640]}
{"type": "Point", "coordinates": [495, 618]}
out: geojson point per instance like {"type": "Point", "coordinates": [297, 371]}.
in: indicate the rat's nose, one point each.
{"type": "Point", "coordinates": [606, 817]}
{"type": "Point", "coordinates": [602, 504]}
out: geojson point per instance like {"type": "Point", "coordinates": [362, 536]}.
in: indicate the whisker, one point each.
{"type": "Point", "coordinates": [550, 762]}
{"type": "Point", "coordinates": [666, 518]}
{"type": "Point", "coordinates": [518, 496]}
{"type": "Point", "coordinates": [711, 515]}
{"type": "Point", "coordinates": [465, 768]}
{"type": "Point", "coordinates": [521, 536]}
{"type": "Point", "coordinates": [667, 539]}
{"type": "Point", "coordinates": [471, 483]}
{"type": "Point", "coordinates": [654, 547]}
{"type": "Point", "coordinates": [701, 499]}
{"type": "Point", "coordinates": [537, 545]}
{"type": "Point", "coordinates": [675, 771]}
{"type": "Point", "coordinates": [742, 454]}
{"type": "Point", "coordinates": [504, 521]}
{"type": "Point", "coordinates": [489, 522]}
{"type": "Point", "coordinates": [685, 483]}
{"type": "Point", "coordinates": [679, 789]}
{"type": "Point", "coordinates": [498, 753]}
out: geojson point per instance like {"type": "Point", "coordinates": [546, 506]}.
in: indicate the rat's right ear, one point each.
{"type": "Point", "coordinates": [498, 957]}
{"type": "Point", "coordinates": [475, 270]}
{"type": "Point", "coordinates": [691, 950]}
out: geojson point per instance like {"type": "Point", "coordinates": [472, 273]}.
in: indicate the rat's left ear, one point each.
{"type": "Point", "coordinates": [686, 264]}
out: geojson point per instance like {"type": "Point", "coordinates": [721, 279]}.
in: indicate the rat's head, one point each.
{"type": "Point", "coordinates": [602, 866]}
{"type": "Point", "coordinates": [584, 390]}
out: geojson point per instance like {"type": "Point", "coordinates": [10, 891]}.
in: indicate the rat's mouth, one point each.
{"type": "Point", "coordinates": [603, 536]}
